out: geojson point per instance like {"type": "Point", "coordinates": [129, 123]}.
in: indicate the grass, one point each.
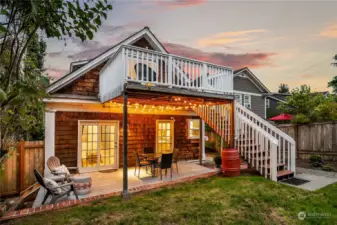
{"type": "Point", "coordinates": [216, 200]}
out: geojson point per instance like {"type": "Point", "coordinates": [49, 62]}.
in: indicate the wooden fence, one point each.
{"type": "Point", "coordinates": [19, 167]}
{"type": "Point", "coordinates": [314, 139]}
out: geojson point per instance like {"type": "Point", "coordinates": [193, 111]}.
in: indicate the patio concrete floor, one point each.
{"type": "Point", "coordinates": [106, 182]}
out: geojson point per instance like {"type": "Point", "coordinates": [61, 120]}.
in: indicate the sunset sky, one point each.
{"type": "Point", "coordinates": [280, 41]}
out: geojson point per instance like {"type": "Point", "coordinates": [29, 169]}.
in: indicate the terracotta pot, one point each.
{"type": "Point", "coordinates": [230, 162]}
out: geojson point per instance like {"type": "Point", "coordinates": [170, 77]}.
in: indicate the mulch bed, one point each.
{"type": "Point", "coordinates": [305, 163]}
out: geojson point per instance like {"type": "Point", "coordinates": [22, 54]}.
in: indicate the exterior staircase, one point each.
{"type": "Point", "coordinates": [266, 148]}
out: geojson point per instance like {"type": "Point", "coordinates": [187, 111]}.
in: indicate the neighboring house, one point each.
{"type": "Point", "coordinates": [250, 91]}
{"type": "Point", "coordinates": [136, 95]}
{"type": "Point", "coordinates": [273, 101]}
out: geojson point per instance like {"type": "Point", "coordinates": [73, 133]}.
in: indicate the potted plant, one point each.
{"type": "Point", "coordinates": [217, 162]}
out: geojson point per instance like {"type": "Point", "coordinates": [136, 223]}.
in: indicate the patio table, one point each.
{"type": "Point", "coordinates": [152, 158]}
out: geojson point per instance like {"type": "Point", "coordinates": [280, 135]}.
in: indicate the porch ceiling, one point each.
{"type": "Point", "coordinates": [159, 101]}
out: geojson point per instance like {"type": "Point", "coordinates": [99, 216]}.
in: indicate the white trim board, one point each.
{"type": "Point", "coordinates": [98, 107]}
{"type": "Point", "coordinates": [276, 99]}
{"type": "Point", "coordinates": [145, 32]}
{"type": "Point", "coordinates": [246, 93]}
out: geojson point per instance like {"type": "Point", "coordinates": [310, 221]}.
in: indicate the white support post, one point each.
{"type": "Point", "coordinates": [203, 140]}
{"type": "Point", "coordinates": [273, 161]}
{"type": "Point", "coordinates": [49, 143]}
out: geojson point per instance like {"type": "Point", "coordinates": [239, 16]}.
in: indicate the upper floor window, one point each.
{"type": "Point", "coordinates": [247, 101]}
{"type": "Point", "coordinates": [238, 98]}
{"type": "Point", "coordinates": [267, 103]}
{"type": "Point", "coordinates": [193, 128]}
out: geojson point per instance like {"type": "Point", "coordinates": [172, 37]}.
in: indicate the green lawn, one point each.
{"type": "Point", "coordinates": [217, 200]}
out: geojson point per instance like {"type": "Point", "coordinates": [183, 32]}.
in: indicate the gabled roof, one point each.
{"type": "Point", "coordinates": [252, 77]}
{"type": "Point", "coordinates": [68, 78]}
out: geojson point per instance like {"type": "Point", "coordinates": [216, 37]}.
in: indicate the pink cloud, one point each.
{"type": "Point", "coordinates": [330, 31]}
{"type": "Point", "coordinates": [173, 4]}
{"type": "Point", "coordinates": [252, 60]}
{"type": "Point", "coordinates": [55, 73]}
{"type": "Point", "coordinates": [228, 37]}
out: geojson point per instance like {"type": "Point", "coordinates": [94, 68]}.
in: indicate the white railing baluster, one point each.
{"type": "Point", "coordinates": [265, 156]}
{"type": "Point", "coordinates": [273, 161]}
{"type": "Point", "coordinates": [293, 158]}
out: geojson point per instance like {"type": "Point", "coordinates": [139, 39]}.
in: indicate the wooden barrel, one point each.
{"type": "Point", "coordinates": [230, 162]}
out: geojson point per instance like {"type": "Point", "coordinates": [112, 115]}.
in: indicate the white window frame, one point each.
{"type": "Point", "coordinates": [189, 128]}
{"type": "Point", "coordinates": [79, 145]}
{"type": "Point", "coordinates": [238, 98]}
{"type": "Point", "coordinates": [267, 103]}
{"type": "Point", "coordinates": [172, 132]}
{"type": "Point", "coordinates": [247, 104]}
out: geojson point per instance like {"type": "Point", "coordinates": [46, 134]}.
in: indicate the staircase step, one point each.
{"type": "Point", "coordinates": [284, 174]}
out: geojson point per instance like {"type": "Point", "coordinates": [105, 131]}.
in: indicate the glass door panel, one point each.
{"type": "Point", "coordinates": [108, 145]}
{"type": "Point", "coordinates": [164, 136]}
{"type": "Point", "coordinates": [89, 150]}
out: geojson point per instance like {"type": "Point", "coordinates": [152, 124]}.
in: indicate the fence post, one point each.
{"type": "Point", "coordinates": [22, 162]}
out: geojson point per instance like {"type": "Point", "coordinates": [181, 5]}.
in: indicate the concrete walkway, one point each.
{"type": "Point", "coordinates": [317, 178]}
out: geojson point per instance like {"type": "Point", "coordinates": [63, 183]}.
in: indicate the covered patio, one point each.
{"type": "Point", "coordinates": [105, 182]}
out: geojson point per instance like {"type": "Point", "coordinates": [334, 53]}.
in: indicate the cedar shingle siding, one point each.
{"type": "Point", "coordinates": [141, 133]}
{"type": "Point", "coordinates": [85, 85]}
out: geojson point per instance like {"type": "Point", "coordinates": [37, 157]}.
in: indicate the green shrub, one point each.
{"type": "Point", "coordinates": [315, 158]}
{"type": "Point", "coordinates": [327, 168]}
{"type": "Point", "coordinates": [301, 119]}
{"type": "Point", "coordinates": [217, 161]}
{"type": "Point", "coordinates": [210, 144]}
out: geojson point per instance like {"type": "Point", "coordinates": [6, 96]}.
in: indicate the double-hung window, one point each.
{"type": "Point", "coordinates": [193, 128]}
{"type": "Point", "coordinates": [238, 98]}
{"type": "Point", "coordinates": [267, 103]}
{"type": "Point", "coordinates": [247, 101]}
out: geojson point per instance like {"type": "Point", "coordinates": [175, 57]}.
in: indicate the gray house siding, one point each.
{"type": "Point", "coordinates": [258, 105]}
{"type": "Point", "coordinates": [244, 84]}
{"type": "Point", "coordinates": [272, 110]}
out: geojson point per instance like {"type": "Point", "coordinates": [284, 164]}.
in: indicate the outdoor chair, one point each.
{"type": "Point", "coordinates": [55, 190]}
{"type": "Point", "coordinates": [175, 157]}
{"type": "Point", "coordinates": [165, 163]}
{"type": "Point", "coordinates": [145, 72]}
{"type": "Point", "coordinates": [140, 163]}
{"type": "Point", "coordinates": [57, 169]}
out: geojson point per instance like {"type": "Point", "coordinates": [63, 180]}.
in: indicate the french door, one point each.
{"type": "Point", "coordinates": [164, 137]}
{"type": "Point", "coordinates": [98, 145]}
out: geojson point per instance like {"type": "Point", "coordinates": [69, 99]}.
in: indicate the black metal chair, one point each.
{"type": "Point", "coordinates": [65, 189]}
{"type": "Point", "coordinates": [140, 163]}
{"type": "Point", "coordinates": [165, 163]}
{"type": "Point", "coordinates": [143, 70]}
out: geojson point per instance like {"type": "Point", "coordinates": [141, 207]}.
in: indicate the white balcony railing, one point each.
{"type": "Point", "coordinates": [146, 67]}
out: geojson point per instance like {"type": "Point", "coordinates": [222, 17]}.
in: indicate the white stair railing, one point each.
{"type": "Point", "coordinates": [285, 148]}
{"type": "Point", "coordinates": [253, 143]}
{"type": "Point", "coordinates": [218, 117]}
{"type": "Point", "coordinates": [257, 146]}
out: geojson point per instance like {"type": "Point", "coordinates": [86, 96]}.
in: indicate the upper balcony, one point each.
{"type": "Point", "coordinates": [146, 68]}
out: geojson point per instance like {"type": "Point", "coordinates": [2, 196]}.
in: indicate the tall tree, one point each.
{"type": "Point", "coordinates": [333, 83]}
{"type": "Point", "coordinates": [21, 53]}
{"type": "Point", "coordinates": [283, 88]}
{"type": "Point", "coordinates": [334, 63]}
